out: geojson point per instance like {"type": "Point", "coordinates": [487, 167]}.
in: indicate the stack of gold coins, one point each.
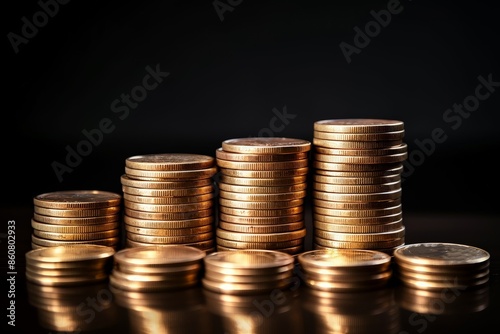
{"type": "Point", "coordinates": [69, 264]}
{"type": "Point", "coordinates": [169, 199]}
{"type": "Point", "coordinates": [438, 266]}
{"type": "Point", "coordinates": [357, 184]}
{"type": "Point", "coordinates": [76, 217]}
{"type": "Point", "coordinates": [247, 271]}
{"type": "Point", "coordinates": [157, 268]}
{"type": "Point", "coordinates": [345, 269]}
{"type": "Point", "coordinates": [262, 186]}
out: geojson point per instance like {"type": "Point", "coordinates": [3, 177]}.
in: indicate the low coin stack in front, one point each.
{"type": "Point", "coordinates": [76, 217]}
{"type": "Point", "coordinates": [157, 268]}
{"type": "Point", "coordinates": [357, 184]}
{"type": "Point", "coordinates": [262, 186]}
{"type": "Point", "coordinates": [169, 199]}
{"type": "Point", "coordinates": [345, 269]}
{"type": "Point", "coordinates": [69, 264]}
{"type": "Point", "coordinates": [437, 266]}
{"type": "Point", "coordinates": [247, 271]}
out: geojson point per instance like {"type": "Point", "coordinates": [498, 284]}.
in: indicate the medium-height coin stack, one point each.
{"type": "Point", "coordinates": [76, 217]}
{"type": "Point", "coordinates": [262, 186]}
{"type": "Point", "coordinates": [357, 184]}
{"type": "Point", "coordinates": [169, 199]}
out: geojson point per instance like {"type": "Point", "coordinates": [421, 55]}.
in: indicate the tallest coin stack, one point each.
{"type": "Point", "coordinates": [357, 184]}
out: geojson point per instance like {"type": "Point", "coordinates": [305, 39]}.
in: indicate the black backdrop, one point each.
{"type": "Point", "coordinates": [231, 70]}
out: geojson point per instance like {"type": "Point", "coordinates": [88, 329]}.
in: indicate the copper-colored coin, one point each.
{"type": "Point", "coordinates": [258, 166]}
{"type": "Point", "coordinates": [361, 237]}
{"type": "Point", "coordinates": [402, 148]}
{"type": "Point", "coordinates": [289, 250]}
{"type": "Point", "coordinates": [272, 228]}
{"type": "Point", "coordinates": [76, 220]}
{"type": "Point", "coordinates": [248, 259]}
{"type": "Point", "coordinates": [169, 215]}
{"type": "Point", "coordinates": [244, 288]}
{"type": "Point", "coordinates": [261, 213]}
{"type": "Point", "coordinates": [170, 161]}
{"type": "Point", "coordinates": [166, 208]}
{"type": "Point", "coordinates": [264, 205]}
{"type": "Point", "coordinates": [159, 255]}
{"type": "Point", "coordinates": [77, 199]}
{"type": "Point", "coordinates": [357, 189]}
{"type": "Point", "coordinates": [379, 136]}
{"type": "Point", "coordinates": [275, 173]}
{"type": "Point", "coordinates": [358, 220]}
{"type": "Point", "coordinates": [171, 239]}
{"type": "Point", "coordinates": [65, 281]}
{"type": "Point", "coordinates": [191, 183]}
{"type": "Point", "coordinates": [74, 213]}
{"type": "Point", "coordinates": [374, 245]}
{"type": "Point", "coordinates": [266, 145]}
{"type": "Point", "coordinates": [89, 236]}
{"type": "Point", "coordinates": [466, 278]}
{"type": "Point", "coordinates": [224, 155]}
{"type": "Point", "coordinates": [441, 270]}
{"type": "Point", "coordinates": [358, 228]}
{"type": "Point", "coordinates": [319, 203]}
{"type": "Point", "coordinates": [441, 285]}
{"type": "Point", "coordinates": [70, 254]}
{"type": "Point", "coordinates": [73, 228]}
{"type": "Point", "coordinates": [112, 241]}
{"type": "Point", "coordinates": [203, 245]}
{"type": "Point", "coordinates": [177, 174]}
{"type": "Point", "coordinates": [355, 144]}
{"type": "Point", "coordinates": [168, 200]}
{"type": "Point", "coordinates": [181, 192]}
{"type": "Point", "coordinates": [219, 277]}
{"type": "Point", "coordinates": [348, 286]}
{"type": "Point", "coordinates": [343, 167]}
{"type": "Point", "coordinates": [274, 245]}
{"type": "Point", "coordinates": [356, 174]}
{"type": "Point", "coordinates": [261, 237]}
{"type": "Point", "coordinates": [283, 219]}
{"type": "Point", "coordinates": [266, 182]}
{"type": "Point", "coordinates": [367, 159]}
{"type": "Point", "coordinates": [368, 197]}
{"type": "Point", "coordinates": [168, 224]}
{"type": "Point", "coordinates": [358, 213]}
{"type": "Point", "coordinates": [358, 125]}
{"type": "Point", "coordinates": [239, 196]}
{"type": "Point", "coordinates": [170, 232]}
{"type": "Point", "coordinates": [345, 180]}
{"type": "Point", "coordinates": [262, 190]}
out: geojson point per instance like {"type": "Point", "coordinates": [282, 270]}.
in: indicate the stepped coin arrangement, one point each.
{"type": "Point", "coordinates": [357, 184]}
{"type": "Point", "coordinates": [262, 186]}
{"type": "Point", "coordinates": [157, 268]}
{"type": "Point", "coordinates": [169, 199]}
{"type": "Point", "coordinates": [76, 217]}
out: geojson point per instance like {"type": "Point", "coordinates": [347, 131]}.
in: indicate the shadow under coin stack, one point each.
{"type": "Point", "coordinates": [76, 217]}
{"type": "Point", "coordinates": [157, 268]}
{"type": "Point", "coordinates": [262, 186]}
{"type": "Point", "coordinates": [169, 199]}
{"type": "Point", "coordinates": [357, 184]}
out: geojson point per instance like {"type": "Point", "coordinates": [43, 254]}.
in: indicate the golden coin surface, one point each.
{"type": "Point", "coordinates": [172, 174]}
{"type": "Point", "coordinates": [358, 220]}
{"type": "Point", "coordinates": [261, 213]}
{"type": "Point", "coordinates": [397, 149]}
{"type": "Point", "coordinates": [73, 228]}
{"type": "Point", "coordinates": [355, 144]}
{"type": "Point", "coordinates": [169, 215]}
{"type": "Point", "coordinates": [440, 285]}
{"type": "Point", "coordinates": [358, 228]}
{"type": "Point", "coordinates": [170, 161]}
{"type": "Point", "coordinates": [283, 219]}
{"type": "Point", "coordinates": [379, 136]}
{"type": "Point", "coordinates": [184, 207]}
{"type": "Point", "coordinates": [159, 255]}
{"type": "Point", "coordinates": [80, 221]}
{"type": "Point", "coordinates": [358, 125]}
{"type": "Point", "coordinates": [273, 245]}
{"type": "Point", "coordinates": [347, 286]}
{"type": "Point", "coordinates": [361, 237]}
{"type": "Point", "coordinates": [272, 228]}
{"type": "Point", "coordinates": [376, 173]}
{"type": "Point", "coordinates": [247, 181]}
{"type": "Point", "coordinates": [368, 197]}
{"type": "Point", "coordinates": [77, 199]}
{"type": "Point", "coordinates": [375, 205]}
{"type": "Point", "coordinates": [344, 258]}
{"type": "Point", "coordinates": [168, 200]}
{"type": "Point", "coordinates": [359, 213]}
{"type": "Point", "coordinates": [266, 205]}
{"type": "Point", "coordinates": [70, 253]}
{"type": "Point", "coordinates": [465, 278]}
{"type": "Point", "coordinates": [248, 259]}
{"type": "Point", "coordinates": [346, 180]}
{"type": "Point", "coordinates": [441, 254]}
{"type": "Point", "coordinates": [441, 270]}
{"type": "Point", "coordinates": [277, 173]}
{"type": "Point", "coordinates": [183, 239]}
{"type": "Point", "coordinates": [89, 236]}
{"type": "Point", "coordinates": [75, 213]}
{"type": "Point", "coordinates": [370, 245]}
{"type": "Point", "coordinates": [127, 181]}
{"type": "Point", "coordinates": [65, 281]}
{"type": "Point", "coordinates": [263, 189]}
{"type": "Point", "coordinates": [171, 232]}
{"type": "Point", "coordinates": [289, 250]}
{"type": "Point", "coordinates": [266, 145]}
{"type": "Point", "coordinates": [357, 189]}
{"type": "Point", "coordinates": [168, 224]}
{"type": "Point", "coordinates": [215, 276]}
{"type": "Point", "coordinates": [347, 159]}
{"type": "Point", "coordinates": [203, 245]}
{"type": "Point", "coordinates": [238, 196]}
{"type": "Point", "coordinates": [343, 167]}
{"type": "Point", "coordinates": [244, 288]}
{"type": "Point", "coordinates": [246, 157]}
{"type": "Point", "coordinates": [181, 192]}
{"type": "Point", "coordinates": [265, 166]}
{"type": "Point", "coordinates": [113, 241]}
{"type": "Point", "coordinates": [261, 237]}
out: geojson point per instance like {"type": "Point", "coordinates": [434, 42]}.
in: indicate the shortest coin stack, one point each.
{"type": "Point", "coordinates": [437, 266]}
{"type": "Point", "coordinates": [250, 271]}
{"type": "Point", "coordinates": [345, 269]}
{"type": "Point", "coordinates": [157, 268]}
{"type": "Point", "coordinates": [69, 264]}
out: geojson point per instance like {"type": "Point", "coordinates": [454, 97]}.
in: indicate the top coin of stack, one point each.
{"type": "Point", "coordinates": [261, 193]}
{"type": "Point", "coordinates": [437, 266]}
{"type": "Point", "coordinates": [357, 183]}
{"type": "Point", "coordinates": [76, 217]}
{"type": "Point", "coordinates": [168, 199]}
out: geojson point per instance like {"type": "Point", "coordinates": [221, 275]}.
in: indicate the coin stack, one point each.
{"type": "Point", "coordinates": [437, 266]}
{"type": "Point", "coordinates": [169, 199]}
{"type": "Point", "coordinates": [157, 268]}
{"type": "Point", "coordinates": [357, 184]}
{"type": "Point", "coordinates": [345, 269]}
{"type": "Point", "coordinates": [76, 217]}
{"type": "Point", "coordinates": [247, 271]}
{"type": "Point", "coordinates": [69, 264]}
{"type": "Point", "coordinates": [262, 186]}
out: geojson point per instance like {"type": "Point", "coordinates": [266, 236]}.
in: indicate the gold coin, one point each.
{"type": "Point", "coordinates": [261, 237]}
{"type": "Point", "coordinates": [354, 167]}
{"type": "Point", "coordinates": [203, 245]}
{"type": "Point", "coordinates": [358, 228]}
{"type": "Point", "coordinates": [80, 221]}
{"type": "Point", "coordinates": [168, 224]}
{"type": "Point", "coordinates": [181, 192]}
{"type": "Point", "coordinates": [274, 245]}
{"type": "Point", "coordinates": [245, 288]}
{"type": "Point", "coordinates": [219, 277]}
{"type": "Point", "coordinates": [238, 196]}
{"type": "Point", "coordinates": [262, 190]}
{"type": "Point", "coordinates": [171, 232]}
{"type": "Point", "coordinates": [358, 213]}
{"type": "Point", "coordinates": [272, 228]}
{"type": "Point", "coordinates": [368, 197]}
{"type": "Point", "coordinates": [441, 270]}
{"type": "Point", "coordinates": [355, 144]}
{"type": "Point", "coordinates": [112, 241]}
{"type": "Point", "coordinates": [253, 205]}
{"type": "Point", "coordinates": [398, 149]}
{"type": "Point", "coordinates": [440, 285]}
{"type": "Point", "coordinates": [183, 239]}
{"type": "Point", "coordinates": [261, 213]}
{"type": "Point", "coordinates": [345, 180]}
{"type": "Point", "coordinates": [172, 174]}
{"type": "Point", "coordinates": [319, 203]}
{"type": "Point", "coordinates": [358, 125]}
{"type": "Point", "coordinates": [169, 215]}
{"type": "Point", "coordinates": [357, 189]}
{"type": "Point", "coordinates": [77, 199]}
{"type": "Point", "coordinates": [248, 259]}
{"type": "Point", "coordinates": [247, 181]}
{"type": "Point", "coordinates": [150, 282]}
{"type": "Point", "coordinates": [465, 278]}
{"type": "Point", "coordinates": [77, 236]}
{"type": "Point", "coordinates": [379, 136]}
{"type": "Point", "coordinates": [283, 219]}
{"type": "Point", "coordinates": [349, 277]}
{"type": "Point", "coordinates": [347, 286]}
{"type": "Point", "coordinates": [191, 183]}
{"type": "Point", "coordinates": [266, 145]}
{"type": "Point", "coordinates": [75, 213]}
{"type": "Point", "coordinates": [70, 253]}
{"type": "Point", "coordinates": [374, 245]}
{"type": "Point", "coordinates": [376, 173]}
{"type": "Point", "coordinates": [166, 208]}
{"type": "Point", "coordinates": [73, 228]}
{"type": "Point", "coordinates": [64, 272]}
{"type": "Point", "coordinates": [170, 161]}
{"type": "Point", "coordinates": [245, 157]}
{"type": "Point", "coordinates": [358, 220]}
{"type": "Point", "coordinates": [347, 159]}
{"type": "Point", "coordinates": [258, 166]}
{"type": "Point", "coordinates": [361, 237]}
{"type": "Point", "coordinates": [168, 200]}
{"type": "Point", "coordinates": [289, 250]}
{"type": "Point", "coordinates": [65, 281]}
{"type": "Point", "coordinates": [275, 173]}
{"type": "Point", "coordinates": [159, 255]}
